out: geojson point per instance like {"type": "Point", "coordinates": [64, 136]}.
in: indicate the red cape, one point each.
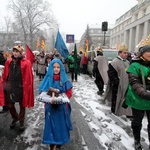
{"type": "Point", "coordinates": [1, 93]}
{"type": "Point", "coordinates": [27, 79]}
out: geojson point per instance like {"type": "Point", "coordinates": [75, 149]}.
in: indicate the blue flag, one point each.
{"type": "Point", "coordinates": [60, 46]}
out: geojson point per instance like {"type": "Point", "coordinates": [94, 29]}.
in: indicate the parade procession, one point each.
{"type": "Point", "coordinates": [64, 86]}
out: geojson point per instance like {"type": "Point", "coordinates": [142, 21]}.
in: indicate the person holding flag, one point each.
{"type": "Point", "coordinates": [74, 60]}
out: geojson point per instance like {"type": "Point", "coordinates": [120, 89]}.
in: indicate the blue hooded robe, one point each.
{"type": "Point", "coordinates": [57, 116]}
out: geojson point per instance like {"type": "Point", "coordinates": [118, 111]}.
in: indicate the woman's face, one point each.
{"type": "Point", "coordinates": [146, 56]}
{"type": "Point", "coordinates": [56, 68]}
{"type": "Point", "coordinates": [16, 53]}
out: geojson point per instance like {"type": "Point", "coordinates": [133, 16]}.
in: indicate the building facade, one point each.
{"type": "Point", "coordinates": [132, 26]}
{"type": "Point", "coordinates": [96, 37]}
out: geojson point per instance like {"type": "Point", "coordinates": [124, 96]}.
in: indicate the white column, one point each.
{"type": "Point", "coordinates": [130, 40]}
{"type": "Point", "coordinates": [146, 29]}
{"type": "Point", "coordinates": [126, 37]}
{"type": "Point", "coordinates": [137, 36]}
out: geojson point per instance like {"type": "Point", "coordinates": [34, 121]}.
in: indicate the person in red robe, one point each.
{"type": "Point", "coordinates": [1, 87]}
{"type": "Point", "coordinates": [18, 85]}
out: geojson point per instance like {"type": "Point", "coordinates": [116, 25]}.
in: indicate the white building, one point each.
{"type": "Point", "coordinates": [132, 26]}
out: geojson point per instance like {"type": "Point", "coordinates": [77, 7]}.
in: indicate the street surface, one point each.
{"type": "Point", "coordinates": [85, 134]}
{"type": "Point", "coordinates": [30, 139]}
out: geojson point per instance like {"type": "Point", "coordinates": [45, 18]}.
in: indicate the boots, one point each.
{"type": "Point", "coordinates": [21, 126]}
{"type": "Point", "coordinates": [13, 123]}
{"type": "Point", "coordinates": [137, 136]}
{"type": "Point", "coordinates": [137, 145]}
{"type": "Point", "coordinates": [52, 147]}
{"type": "Point", "coordinates": [148, 130]}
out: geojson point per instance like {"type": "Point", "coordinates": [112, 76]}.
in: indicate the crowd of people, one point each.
{"type": "Point", "coordinates": [16, 86]}
{"type": "Point", "coordinates": [127, 90]}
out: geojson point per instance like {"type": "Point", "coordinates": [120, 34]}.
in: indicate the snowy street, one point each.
{"type": "Point", "coordinates": [112, 131]}
{"type": "Point", "coordinates": [94, 127]}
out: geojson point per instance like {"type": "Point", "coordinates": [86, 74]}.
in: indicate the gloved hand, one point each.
{"type": "Point", "coordinates": [53, 92]}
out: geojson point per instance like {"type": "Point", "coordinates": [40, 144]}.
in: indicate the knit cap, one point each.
{"type": "Point", "coordinates": [144, 49]}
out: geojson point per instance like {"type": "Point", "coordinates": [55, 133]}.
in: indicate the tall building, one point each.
{"type": "Point", "coordinates": [132, 26]}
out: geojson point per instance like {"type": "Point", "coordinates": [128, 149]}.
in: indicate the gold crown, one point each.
{"type": "Point", "coordinates": [19, 48]}
{"type": "Point", "coordinates": [144, 42]}
{"type": "Point", "coordinates": [123, 47]}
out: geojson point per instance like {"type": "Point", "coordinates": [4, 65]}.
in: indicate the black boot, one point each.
{"type": "Point", "coordinates": [137, 135]}
{"type": "Point", "coordinates": [148, 130]}
{"type": "Point", "coordinates": [137, 145]}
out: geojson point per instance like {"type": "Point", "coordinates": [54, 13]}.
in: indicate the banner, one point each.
{"type": "Point", "coordinates": [29, 54]}
{"type": "Point", "coordinates": [69, 38]}
{"type": "Point", "coordinates": [86, 46]}
{"type": "Point", "coordinates": [60, 46]}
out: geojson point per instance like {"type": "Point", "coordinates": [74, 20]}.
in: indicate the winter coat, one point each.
{"type": "Point", "coordinates": [41, 65]}
{"type": "Point", "coordinates": [84, 60]}
{"type": "Point", "coordinates": [102, 67]}
{"type": "Point", "coordinates": [27, 80]}
{"type": "Point", "coordinates": [13, 87]}
{"type": "Point", "coordinates": [138, 96]}
{"type": "Point", "coordinates": [71, 61]}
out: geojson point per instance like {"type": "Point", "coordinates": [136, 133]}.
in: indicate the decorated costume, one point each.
{"type": "Point", "coordinates": [138, 94]}
{"type": "Point", "coordinates": [100, 69]}
{"type": "Point", "coordinates": [117, 85]}
{"type": "Point", "coordinates": [1, 87]}
{"type": "Point", "coordinates": [57, 116]}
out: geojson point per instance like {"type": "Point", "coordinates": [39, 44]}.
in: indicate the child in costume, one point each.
{"type": "Point", "coordinates": [57, 116]}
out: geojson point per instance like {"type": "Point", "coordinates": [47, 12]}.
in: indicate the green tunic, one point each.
{"type": "Point", "coordinates": [132, 99]}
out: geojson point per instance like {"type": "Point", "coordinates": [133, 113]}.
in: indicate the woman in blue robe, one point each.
{"type": "Point", "coordinates": [57, 116]}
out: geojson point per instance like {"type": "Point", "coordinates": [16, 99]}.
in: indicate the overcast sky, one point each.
{"type": "Point", "coordinates": [74, 15]}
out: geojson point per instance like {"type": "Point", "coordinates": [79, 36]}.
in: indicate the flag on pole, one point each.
{"type": "Point", "coordinates": [43, 46]}
{"type": "Point", "coordinates": [29, 54]}
{"type": "Point", "coordinates": [76, 66]}
{"type": "Point", "coordinates": [37, 42]}
{"type": "Point", "coordinates": [60, 46]}
{"type": "Point", "coordinates": [87, 46]}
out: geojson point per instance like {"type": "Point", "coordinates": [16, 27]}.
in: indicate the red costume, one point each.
{"type": "Point", "coordinates": [1, 93]}
{"type": "Point", "coordinates": [27, 79]}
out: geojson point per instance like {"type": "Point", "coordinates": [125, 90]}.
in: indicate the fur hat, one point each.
{"type": "Point", "coordinates": [144, 49]}
{"type": "Point", "coordinates": [19, 48]}
{"type": "Point", "coordinates": [99, 51]}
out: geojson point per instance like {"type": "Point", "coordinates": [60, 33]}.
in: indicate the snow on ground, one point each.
{"type": "Point", "coordinates": [104, 127]}
{"type": "Point", "coordinates": [101, 122]}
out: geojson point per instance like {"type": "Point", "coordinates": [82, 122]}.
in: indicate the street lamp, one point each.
{"type": "Point", "coordinates": [104, 28]}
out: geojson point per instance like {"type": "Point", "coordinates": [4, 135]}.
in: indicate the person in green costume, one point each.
{"type": "Point", "coordinates": [138, 93]}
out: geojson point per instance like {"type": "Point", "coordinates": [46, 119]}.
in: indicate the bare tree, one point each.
{"type": "Point", "coordinates": [30, 16]}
